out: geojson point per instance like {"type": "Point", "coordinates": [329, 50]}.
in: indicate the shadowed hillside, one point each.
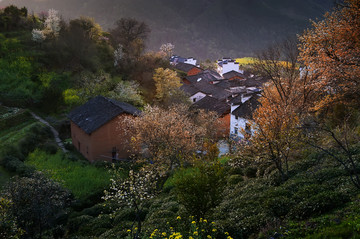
{"type": "Point", "coordinates": [201, 28]}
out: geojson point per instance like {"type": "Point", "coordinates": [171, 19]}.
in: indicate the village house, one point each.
{"type": "Point", "coordinates": [226, 65]}
{"type": "Point", "coordinates": [231, 94]}
{"type": "Point", "coordinates": [96, 129]}
{"type": "Point", "coordinates": [241, 115]}
{"type": "Point", "coordinates": [178, 59]}
{"type": "Point", "coordinates": [189, 69]}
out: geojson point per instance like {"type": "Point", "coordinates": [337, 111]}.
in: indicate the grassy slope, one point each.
{"type": "Point", "coordinates": [80, 177]}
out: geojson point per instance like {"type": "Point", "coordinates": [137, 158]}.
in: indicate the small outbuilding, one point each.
{"type": "Point", "coordinates": [97, 129]}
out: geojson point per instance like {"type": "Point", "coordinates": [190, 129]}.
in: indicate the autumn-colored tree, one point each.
{"type": "Point", "coordinates": [284, 99]}
{"type": "Point", "coordinates": [144, 70]}
{"type": "Point", "coordinates": [167, 84]}
{"type": "Point", "coordinates": [330, 52]}
{"type": "Point", "coordinates": [279, 64]}
{"type": "Point", "coordinates": [170, 136]}
{"type": "Point", "coordinates": [276, 130]}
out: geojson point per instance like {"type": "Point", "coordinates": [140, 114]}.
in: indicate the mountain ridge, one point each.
{"type": "Point", "coordinates": [203, 29]}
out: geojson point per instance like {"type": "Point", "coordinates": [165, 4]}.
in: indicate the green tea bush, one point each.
{"type": "Point", "coordinates": [319, 203]}
{"type": "Point", "coordinates": [235, 179]}
{"type": "Point", "coordinates": [250, 172]}
{"type": "Point", "coordinates": [75, 223]}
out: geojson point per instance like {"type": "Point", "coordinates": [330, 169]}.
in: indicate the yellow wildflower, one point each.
{"type": "Point", "coordinates": [196, 233]}
{"type": "Point", "coordinates": [226, 233]}
{"type": "Point", "coordinates": [193, 222]}
{"type": "Point", "coordinates": [229, 237]}
{"type": "Point", "coordinates": [178, 218]}
{"type": "Point", "coordinates": [214, 230]}
{"type": "Point", "coordinates": [190, 237]}
{"type": "Point", "coordinates": [205, 220]}
{"type": "Point", "coordinates": [164, 234]}
{"type": "Point", "coordinates": [128, 231]}
{"type": "Point", "coordinates": [208, 236]}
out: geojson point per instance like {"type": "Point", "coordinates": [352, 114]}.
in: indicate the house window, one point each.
{"type": "Point", "coordinates": [194, 100]}
{"type": "Point", "coordinates": [236, 130]}
{"type": "Point", "coordinates": [236, 117]}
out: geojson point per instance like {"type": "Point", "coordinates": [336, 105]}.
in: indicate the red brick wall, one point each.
{"type": "Point", "coordinates": [99, 144]}
{"type": "Point", "coordinates": [194, 71]}
{"type": "Point", "coordinates": [225, 125]}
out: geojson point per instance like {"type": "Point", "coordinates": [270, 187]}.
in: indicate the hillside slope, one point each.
{"type": "Point", "coordinates": [202, 28]}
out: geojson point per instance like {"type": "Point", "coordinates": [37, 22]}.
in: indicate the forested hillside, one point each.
{"type": "Point", "coordinates": [202, 28]}
{"type": "Point", "coordinates": [294, 173]}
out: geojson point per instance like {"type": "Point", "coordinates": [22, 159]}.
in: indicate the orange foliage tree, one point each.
{"type": "Point", "coordinates": [284, 98]}
{"type": "Point", "coordinates": [276, 130]}
{"type": "Point", "coordinates": [330, 52]}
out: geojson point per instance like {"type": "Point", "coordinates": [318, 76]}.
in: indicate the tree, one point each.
{"type": "Point", "coordinates": [131, 34]}
{"type": "Point", "coordinates": [52, 24]}
{"type": "Point", "coordinates": [36, 203]}
{"type": "Point", "coordinates": [127, 91]}
{"type": "Point", "coordinates": [201, 189]}
{"type": "Point", "coordinates": [341, 143]}
{"type": "Point", "coordinates": [133, 191]}
{"type": "Point", "coordinates": [276, 131]}
{"type": "Point", "coordinates": [284, 99]}
{"type": "Point", "coordinates": [167, 83]}
{"type": "Point", "coordinates": [171, 136]}
{"type": "Point", "coordinates": [330, 53]}
{"type": "Point", "coordinates": [167, 48]}
{"type": "Point", "coordinates": [8, 226]}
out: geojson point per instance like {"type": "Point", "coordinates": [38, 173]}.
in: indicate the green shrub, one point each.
{"type": "Point", "coordinates": [235, 179]}
{"type": "Point", "coordinates": [319, 203]}
{"type": "Point", "coordinates": [250, 172]}
{"type": "Point", "coordinates": [13, 164]}
{"type": "Point", "coordinates": [200, 190]}
{"type": "Point", "coordinates": [50, 148]}
{"type": "Point", "coordinates": [96, 226]}
{"type": "Point", "coordinates": [75, 223]}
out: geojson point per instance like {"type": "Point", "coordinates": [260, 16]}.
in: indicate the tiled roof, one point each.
{"type": "Point", "coordinates": [189, 89]}
{"type": "Point", "coordinates": [213, 90]}
{"type": "Point", "coordinates": [246, 109]}
{"type": "Point", "coordinates": [98, 111]}
{"type": "Point", "coordinates": [212, 104]}
{"type": "Point", "coordinates": [232, 74]}
{"type": "Point", "coordinates": [185, 67]}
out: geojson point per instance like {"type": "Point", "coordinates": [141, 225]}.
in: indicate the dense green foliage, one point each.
{"type": "Point", "coordinates": [36, 203]}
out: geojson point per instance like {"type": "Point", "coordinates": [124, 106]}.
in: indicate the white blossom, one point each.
{"type": "Point", "coordinates": [118, 55]}
{"type": "Point", "coordinates": [167, 48]}
{"type": "Point", "coordinates": [52, 22]}
{"type": "Point", "coordinates": [38, 35]}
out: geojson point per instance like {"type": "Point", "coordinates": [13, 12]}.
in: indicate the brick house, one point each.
{"type": "Point", "coordinates": [96, 129]}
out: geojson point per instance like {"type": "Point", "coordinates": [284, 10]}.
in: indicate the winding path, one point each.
{"type": "Point", "coordinates": [53, 130]}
